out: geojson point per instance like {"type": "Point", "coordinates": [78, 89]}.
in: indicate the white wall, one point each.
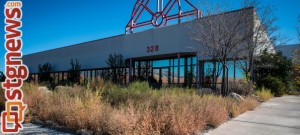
{"type": "Point", "coordinates": [93, 54]}
{"type": "Point", "coordinates": [171, 39]}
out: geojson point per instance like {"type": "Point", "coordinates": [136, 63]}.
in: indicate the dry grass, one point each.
{"type": "Point", "coordinates": [264, 94]}
{"type": "Point", "coordinates": [136, 109]}
{"type": "Point", "coordinates": [238, 107]}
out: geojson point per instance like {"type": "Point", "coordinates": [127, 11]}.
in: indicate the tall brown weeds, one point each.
{"type": "Point", "coordinates": [136, 109]}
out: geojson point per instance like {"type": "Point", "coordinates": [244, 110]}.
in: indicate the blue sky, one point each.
{"type": "Point", "coordinates": [49, 24]}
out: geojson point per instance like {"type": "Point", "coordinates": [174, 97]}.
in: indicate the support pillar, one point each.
{"type": "Point", "coordinates": [130, 70]}
{"type": "Point", "coordinates": [147, 68]}
{"type": "Point", "coordinates": [201, 73]}
{"type": "Point", "coordinates": [173, 72]}
{"type": "Point", "coordinates": [139, 68]}
{"type": "Point", "coordinates": [234, 70]}
{"type": "Point", "coordinates": [191, 74]}
{"type": "Point", "coordinates": [63, 76]}
{"type": "Point", "coordinates": [185, 71]}
{"type": "Point", "coordinates": [178, 70]}
{"type": "Point", "coordinates": [197, 74]}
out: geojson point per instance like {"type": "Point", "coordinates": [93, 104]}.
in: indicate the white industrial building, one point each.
{"type": "Point", "coordinates": [167, 53]}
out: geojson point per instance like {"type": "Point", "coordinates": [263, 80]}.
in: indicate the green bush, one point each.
{"type": "Point", "coordinates": [276, 86]}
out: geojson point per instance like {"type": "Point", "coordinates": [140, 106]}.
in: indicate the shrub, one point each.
{"type": "Point", "coordinates": [2, 76]}
{"type": "Point", "coordinates": [274, 84]}
{"type": "Point", "coordinates": [241, 87]}
{"type": "Point", "coordinates": [137, 109]}
{"type": "Point", "coordinates": [268, 66]}
{"type": "Point", "coordinates": [2, 100]}
{"type": "Point", "coordinates": [264, 94]}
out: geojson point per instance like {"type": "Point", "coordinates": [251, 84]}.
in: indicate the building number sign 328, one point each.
{"type": "Point", "coordinates": [153, 48]}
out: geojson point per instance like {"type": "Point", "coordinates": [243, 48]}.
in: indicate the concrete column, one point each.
{"type": "Point", "coordinates": [234, 70]}
{"type": "Point", "coordinates": [173, 72]}
{"type": "Point", "coordinates": [197, 74]}
{"type": "Point", "coordinates": [201, 73]}
{"type": "Point", "coordinates": [147, 68]}
{"type": "Point", "coordinates": [130, 70]}
{"type": "Point", "coordinates": [139, 68]}
{"type": "Point", "coordinates": [185, 71]}
{"type": "Point", "coordinates": [178, 70]}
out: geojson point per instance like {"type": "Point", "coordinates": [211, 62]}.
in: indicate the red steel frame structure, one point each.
{"type": "Point", "coordinates": [161, 16]}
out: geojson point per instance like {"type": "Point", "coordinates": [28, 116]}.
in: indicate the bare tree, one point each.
{"type": "Point", "coordinates": [45, 72]}
{"type": "Point", "coordinates": [263, 28]}
{"type": "Point", "coordinates": [220, 36]}
{"type": "Point", "coordinates": [263, 36]}
{"type": "Point", "coordinates": [298, 27]}
{"type": "Point", "coordinates": [116, 63]}
{"type": "Point", "coordinates": [74, 71]}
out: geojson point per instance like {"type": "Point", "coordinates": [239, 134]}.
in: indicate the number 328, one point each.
{"type": "Point", "coordinates": [153, 48]}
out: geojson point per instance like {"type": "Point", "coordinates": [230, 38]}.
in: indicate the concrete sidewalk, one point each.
{"type": "Point", "coordinates": [279, 116]}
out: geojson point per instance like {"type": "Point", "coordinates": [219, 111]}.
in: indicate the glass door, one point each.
{"type": "Point", "coordinates": [162, 76]}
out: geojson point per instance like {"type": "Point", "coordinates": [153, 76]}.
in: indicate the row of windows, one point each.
{"type": "Point", "coordinates": [165, 71]}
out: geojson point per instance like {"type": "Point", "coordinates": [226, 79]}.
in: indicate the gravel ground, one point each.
{"type": "Point", "coordinates": [32, 129]}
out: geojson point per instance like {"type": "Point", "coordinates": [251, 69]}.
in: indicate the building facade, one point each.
{"type": "Point", "coordinates": [168, 54]}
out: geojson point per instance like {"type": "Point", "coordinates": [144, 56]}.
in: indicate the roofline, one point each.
{"type": "Point", "coordinates": [232, 11]}
{"type": "Point", "coordinates": [77, 44]}
{"type": "Point", "coordinates": [287, 45]}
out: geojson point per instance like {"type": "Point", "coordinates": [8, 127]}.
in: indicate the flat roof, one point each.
{"type": "Point", "coordinates": [83, 43]}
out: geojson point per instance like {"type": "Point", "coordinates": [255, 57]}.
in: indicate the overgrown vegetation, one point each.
{"type": "Point", "coordinates": [105, 108]}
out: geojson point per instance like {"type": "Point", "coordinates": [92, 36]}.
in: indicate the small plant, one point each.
{"type": "Point", "coordinates": [264, 94]}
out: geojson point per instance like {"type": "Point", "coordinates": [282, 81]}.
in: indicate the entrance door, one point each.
{"type": "Point", "coordinates": [162, 75]}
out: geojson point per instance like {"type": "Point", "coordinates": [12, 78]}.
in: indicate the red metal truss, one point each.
{"type": "Point", "coordinates": [160, 17]}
